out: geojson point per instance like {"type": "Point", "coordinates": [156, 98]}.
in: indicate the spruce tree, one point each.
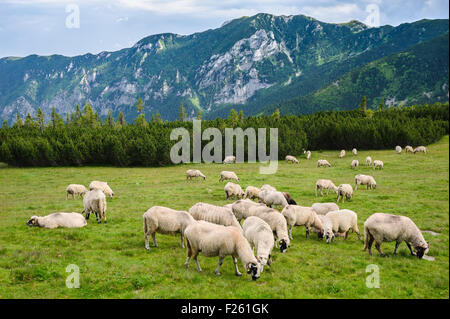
{"type": "Point", "coordinates": [40, 119]}
{"type": "Point", "coordinates": [363, 105]}
{"type": "Point", "coordinates": [19, 121]}
{"type": "Point", "coordinates": [121, 120]}
{"type": "Point", "coordinates": [183, 115]}
{"type": "Point", "coordinates": [140, 105]}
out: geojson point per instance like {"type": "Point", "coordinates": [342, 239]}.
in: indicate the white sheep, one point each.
{"type": "Point", "coordinates": [291, 159]}
{"type": "Point", "coordinates": [344, 190]}
{"type": "Point", "coordinates": [194, 173]}
{"type": "Point", "coordinates": [381, 227]}
{"type": "Point", "coordinates": [342, 154]}
{"type": "Point", "coordinates": [260, 236]}
{"type": "Point", "coordinates": [268, 188]}
{"type": "Point", "coordinates": [378, 163]}
{"type": "Point", "coordinates": [244, 208]}
{"type": "Point", "coordinates": [217, 240]}
{"type": "Point", "coordinates": [214, 214]}
{"type": "Point", "coordinates": [301, 216]}
{"type": "Point", "coordinates": [340, 221]}
{"type": "Point", "coordinates": [232, 189]}
{"type": "Point", "coordinates": [163, 220]}
{"type": "Point", "coordinates": [354, 164]}
{"type": "Point", "coordinates": [408, 148]}
{"type": "Point", "coordinates": [324, 208]}
{"type": "Point", "coordinates": [323, 163]}
{"type": "Point", "coordinates": [272, 199]}
{"type": "Point", "coordinates": [103, 186]}
{"type": "Point", "coordinates": [68, 220]}
{"type": "Point", "coordinates": [95, 202]}
{"type": "Point", "coordinates": [419, 149]}
{"type": "Point", "coordinates": [76, 189]}
{"type": "Point", "coordinates": [229, 159]}
{"type": "Point", "coordinates": [227, 175]}
{"type": "Point", "coordinates": [398, 149]}
{"type": "Point", "coordinates": [368, 160]}
{"type": "Point", "coordinates": [327, 184]}
{"type": "Point", "coordinates": [308, 154]}
{"type": "Point", "coordinates": [251, 192]}
{"type": "Point", "coordinates": [368, 180]}
{"type": "Point", "coordinates": [355, 151]}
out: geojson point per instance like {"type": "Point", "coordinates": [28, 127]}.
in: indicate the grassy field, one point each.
{"type": "Point", "coordinates": [114, 264]}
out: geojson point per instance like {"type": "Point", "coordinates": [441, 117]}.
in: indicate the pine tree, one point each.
{"type": "Point", "coordinates": [5, 123]}
{"type": "Point", "coordinates": [121, 119]}
{"type": "Point", "coordinates": [233, 117]}
{"type": "Point", "coordinates": [183, 115]}
{"type": "Point", "coordinates": [140, 106]}
{"type": "Point", "coordinates": [40, 119]}
{"type": "Point", "coordinates": [363, 105]}
{"type": "Point", "coordinates": [19, 121]}
{"type": "Point", "coordinates": [241, 116]}
{"type": "Point", "coordinates": [29, 120]}
{"type": "Point", "coordinates": [141, 121]}
{"type": "Point", "coordinates": [199, 114]}
{"type": "Point", "coordinates": [67, 119]}
{"type": "Point", "coordinates": [56, 119]}
{"type": "Point", "coordinates": [110, 118]}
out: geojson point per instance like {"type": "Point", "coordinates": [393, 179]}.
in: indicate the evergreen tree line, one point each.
{"type": "Point", "coordinates": [85, 139]}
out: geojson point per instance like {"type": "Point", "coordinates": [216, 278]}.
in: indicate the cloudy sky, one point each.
{"type": "Point", "coordinates": [73, 27]}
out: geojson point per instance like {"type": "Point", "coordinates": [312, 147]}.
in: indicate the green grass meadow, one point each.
{"type": "Point", "coordinates": [114, 264]}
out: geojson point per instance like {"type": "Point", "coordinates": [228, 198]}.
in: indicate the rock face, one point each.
{"type": "Point", "coordinates": [239, 63]}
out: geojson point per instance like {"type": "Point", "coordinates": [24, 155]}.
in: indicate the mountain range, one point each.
{"type": "Point", "coordinates": [294, 63]}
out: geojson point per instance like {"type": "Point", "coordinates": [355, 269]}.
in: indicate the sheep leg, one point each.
{"type": "Point", "coordinates": [369, 244]}
{"type": "Point", "coordinates": [221, 258]}
{"type": "Point", "coordinates": [410, 249]}
{"type": "Point", "coordinates": [378, 247]}
{"type": "Point", "coordinates": [307, 232]}
{"type": "Point", "coordinates": [147, 246]}
{"type": "Point", "coordinates": [196, 262]}
{"type": "Point", "coordinates": [182, 240]}
{"type": "Point", "coordinates": [290, 232]}
{"type": "Point", "coordinates": [236, 270]}
{"type": "Point", "coordinates": [154, 239]}
{"type": "Point", "coordinates": [346, 234]}
{"type": "Point", "coordinates": [396, 246]}
{"type": "Point", "coordinates": [96, 216]}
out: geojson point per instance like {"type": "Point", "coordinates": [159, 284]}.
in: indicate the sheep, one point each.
{"type": "Point", "coordinates": [259, 236]}
{"type": "Point", "coordinates": [368, 160]}
{"type": "Point", "coordinates": [214, 214]}
{"type": "Point", "coordinates": [232, 189]}
{"type": "Point", "coordinates": [244, 208]}
{"type": "Point", "coordinates": [325, 184]}
{"type": "Point", "coordinates": [217, 240]}
{"type": "Point", "coordinates": [344, 190]}
{"type": "Point", "coordinates": [229, 159]}
{"type": "Point", "coordinates": [324, 208]}
{"type": "Point", "coordinates": [355, 151]}
{"type": "Point", "coordinates": [342, 154]}
{"type": "Point", "coordinates": [251, 192]}
{"type": "Point", "coordinates": [398, 149]}
{"type": "Point", "coordinates": [95, 202]}
{"type": "Point", "coordinates": [383, 227]}
{"type": "Point", "coordinates": [291, 159]}
{"type": "Point", "coordinates": [378, 163]}
{"type": "Point", "coordinates": [227, 175]}
{"type": "Point", "coordinates": [354, 164]}
{"type": "Point", "coordinates": [76, 189]}
{"type": "Point", "coordinates": [289, 199]}
{"type": "Point", "coordinates": [268, 187]}
{"type": "Point", "coordinates": [422, 149]}
{"type": "Point", "coordinates": [340, 221]}
{"type": "Point", "coordinates": [62, 219]}
{"type": "Point", "coordinates": [301, 216]}
{"type": "Point", "coordinates": [103, 186]}
{"type": "Point", "coordinates": [408, 148]}
{"type": "Point", "coordinates": [194, 173]}
{"type": "Point", "coordinates": [368, 180]}
{"type": "Point", "coordinates": [163, 220]}
{"type": "Point", "coordinates": [323, 163]}
{"type": "Point", "coordinates": [308, 154]}
{"type": "Point", "coordinates": [272, 198]}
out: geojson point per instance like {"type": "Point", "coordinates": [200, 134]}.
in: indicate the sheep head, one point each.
{"type": "Point", "coordinates": [254, 270]}
{"type": "Point", "coordinates": [283, 245]}
{"type": "Point", "coordinates": [421, 250]}
{"type": "Point", "coordinates": [33, 221]}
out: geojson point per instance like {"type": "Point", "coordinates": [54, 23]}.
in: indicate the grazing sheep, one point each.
{"type": "Point", "coordinates": [229, 159]}
{"type": "Point", "coordinates": [226, 175]}
{"type": "Point", "coordinates": [342, 154]}
{"type": "Point", "coordinates": [398, 149]}
{"type": "Point", "coordinates": [259, 236]}
{"type": "Point", "coordinates": [251, 192]}
{"type": "Point", "coordinates": [244, 208]}
{"type": "Point", "coordinates": [386, 227]}
{"type": "Point", "coordinates": [325, 184]}
{"type": "Point", "coordinates": [268, 188]}
{"type": "Point", "coordinates": [323, 163]}
{"type": "Point", "coordinates": [95, 202]}
{"type": "Point", "coordinates": [354, 164]}
{"type": "Point", "coordinates": [232, 189]}
{"type": "Point", "coordinates": [289, 199]}
{"type": "Point", "coordinates": [217, 240]}
{"type": "Point", "coordinates": [340, 221]}
{"type": "Point", "coordinates": [272, 199]}
{"type": "Point", "coordinates": [354, 151]}
{"type": "Point", "coordinates": [291, 159]}
{"type": "Point", "coordinates": [68, 220]}
{"type": "Point", "coordinates": [165, 220]}
{"type": "Point", "coordinates": [103, 186]}
{"type": "Point", "coordinates": [368, 160]}
{"type": "Point", "coordinates": [308, 154]}
{"type": "Point", "coordinates": [344, 190]}
{"type": "Point", "coordinates": [408, 148]}
{"type": "Point", "coordinates": [377, 163]}
{"type": "Point", "coordinates": [214, 214]}
{"type": "Point", "coordinates": [76, 189]}
{"type": "Point", "coordinates": [324, 208]}
{"type": "Point", "coordinates": [301, 216]}
{"type": "Point", "coordinates": [422, 149]}
{"type": "Point", "coordinates": [194, 173]}
{"type": "Point", "coordinates": [368, 180]}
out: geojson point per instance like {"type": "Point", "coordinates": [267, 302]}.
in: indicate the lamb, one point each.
{"type": "Point", "coordinates": [268, 187]}
{"type": "Point", "coordinates": [214, 214]}
{"type": "Point", "coordinates": [368, 180]}
{"type": "Point", "coordinates": [377, 163]}
{"type": "Point", "coordinates": [194, 173]}
{"type": "Point", "coordinates": [342, 154]}
{"type": "Point", "coordinates": [229, 159]}
{"type": "Point", "coordinates": [291, 159]}
{"type": "Point", "coordinates": [422, 149]}
{"type": "Point", "coordinates": [227, 175]}
{"type": "Point", "coordinates": [408, 148]}
{"type": "Point", "coordinates": [260, 236]}
{"type": "Point", "coordinates": [301, 216]}
{"type": "Point", "coordinates": [387, 228]}
{"type": "Point", "coordinates": [103, 186]}
{"type": "Point", "coordinates": [217, 240]}
{"type": "Point", "coordinates": [340, 221]}
{"type": "Point", "coordinates": [368, 160]}
{"type": "Point", "coordinates": [272, 198]}
{"type": "Point", "coordinates": [323, 163]}
{"type": "Point", "coordinates": [232, 189]}
{"type": "Point", "coordinates": [251, 192]}
{"type": "Point", "coordinates": [289, 199]}
{"type": "Point", "coordinates": [354, 151]}
{"type": "Point", "coordinates": [68, 220]}
{"type": "Point", "coordinates": [76, 189]}
{"type": "Point", "coordinates": [244, 208]}
{"type": "Point", "coordinates": [325, 184]}
{"type": "Point", "coordinates": [354, 164]}
{"type": "Point", "coordinates": [344, 190]}
{"type": "Point", "coordinates": [398, 149]}
{"type": "Point", "coordinates": [95, 202]}
{"type": "Point", "coordinates": [324, 208]}
{"type": "Point", "coordinates": [308, 154]}
{"type": "Point", "coordinates": [165, 220]}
